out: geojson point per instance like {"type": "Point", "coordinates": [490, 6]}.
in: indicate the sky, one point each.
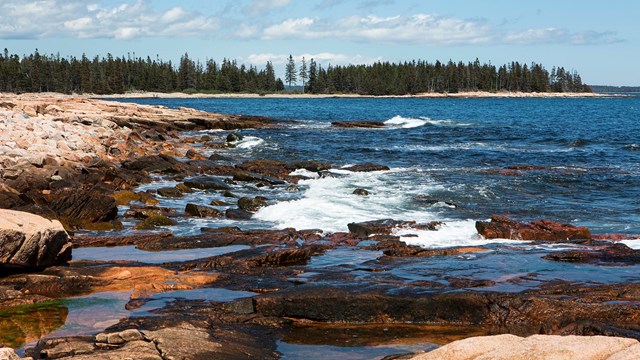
{"type": "Point", "coordinates": [599, 39]}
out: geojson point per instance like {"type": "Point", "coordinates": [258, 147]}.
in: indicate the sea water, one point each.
{"type": "Point", "coordinates": [451, 160]}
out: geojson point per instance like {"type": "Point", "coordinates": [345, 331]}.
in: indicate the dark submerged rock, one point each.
{"type": "Point", "coordinates": [202, 211]}
{"type": "Point", "coordinates": [238, 214]}
{"type": "Point", "coordinates": [367, 167]}
{"type": "Point", "coordinates": [252, 204]}
{"type": "Point", "coordinates": [358, 124]}
{"type": "Point", "coordinates": [542, 230]}
{"type": "Point", "coordinates": [361, 192]}
{"type": "Point", "coordinates": [206, 183]}
{"type": "Point", "coordinates": [616, 253]}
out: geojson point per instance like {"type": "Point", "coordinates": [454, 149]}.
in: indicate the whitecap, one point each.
{"type": "Point", "coordinates": [249, 142]}
{"type": "Point", "coordinates": [449, 234]}
{"type": "Point", "coordinates": [305, 173]}
{"type": "Point", "coordinates": [632, 243]}
{"type": "Point", "coordinates": [404, 122]}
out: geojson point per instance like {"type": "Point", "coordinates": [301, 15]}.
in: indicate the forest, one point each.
{"type": "Point", "coordinates": [117, 75]}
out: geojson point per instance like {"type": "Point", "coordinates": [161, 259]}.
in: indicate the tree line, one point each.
{"type": "Point", "coordinates": [386, 78]}
{"type": "Point", "coordinates": [114, 75]}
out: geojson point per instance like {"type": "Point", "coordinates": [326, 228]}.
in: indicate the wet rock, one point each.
{"type": "Point", "coordinates": [30, 242]}
{"type": "Point", "coordinates": [252, 204]}
{"type": "Point", "coordinates": [170, 192]}
{"type": "Point", "coordinates": [367, 167]}
{"type": "Point", "coordinates": [108, 241]}
{"type": "Point", "coordinates": [271, 170]}
{"type": "Point", "coordinates": [194, 155]}
{"type": "Point", "coordinates": [78, 207]}
{"type": "Point", "coordinates": [233, 137]}
{"type": "Point", "coordinates": [358, 124]}
{"type": "Point", "coordinates": [206, 183]}
{"type": "Point", "coordinates": [361, 192]}
{"type": "Point", "coordinates": [202, 211]}
{"type": "Point", "coordinates": [543, 230]}
{"type": "Point", "coordinates": [218, 237]}
{"type": "Point", "coordinates": [467, 282]}
{"type": "Point", "coordinates": [228, 194]}
{"type": "Point", "coordinates": [385, 226]}
{"type": "Point", "coordinates": [119, 338]}
{"type": "Point", "coordinates": [400, 249]}
{"type": "Point", "coordinates": [254, 177]}
{"type": "Point", "coordinates": [310, 165]}
{"type": "Point", "coordinates": [154, 221]}
{"type": "Point", "coordinates": [142, 213]}
{"type": "Point", "coordinates": [218, 203]}
{"type": "Point", "coordinates": [238, 214]}
{"type": "Point", "coordinates": [154, 163]}
{"type": "Point", "coordinates": [616, 253]}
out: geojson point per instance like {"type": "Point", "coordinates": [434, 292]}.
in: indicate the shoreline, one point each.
{"type": "Point", "coordinates": [464, 95]}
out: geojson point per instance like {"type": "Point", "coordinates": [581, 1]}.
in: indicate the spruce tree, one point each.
{"type": "Point", "coordinates": [303, 72]}
{"type": "Point", "coordinates": [290, 75]}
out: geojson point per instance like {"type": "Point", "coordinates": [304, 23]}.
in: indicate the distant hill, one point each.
{"type": "Point", "coordinates": [614, 89]}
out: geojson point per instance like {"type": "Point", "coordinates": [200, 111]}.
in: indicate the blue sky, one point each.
{"type": "Point", "coordinates": [599, 39]}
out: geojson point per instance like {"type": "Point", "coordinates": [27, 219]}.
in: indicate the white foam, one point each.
{"type": "Point", "coordinates": [248, 142]}
{"type": "Point", "coordinates": [450, 234]}
{"type": "Point", "coordinates": [632, 243]}
{"type": "Point", "coordinates": [305, 173]}
{"type": "Point", "coordinates": [329, 203]}
{"type": "Point", "coordinates": [404, 122]}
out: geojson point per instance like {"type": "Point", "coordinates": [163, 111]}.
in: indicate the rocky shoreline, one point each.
{"type": "Point", "coordinates": [76, 160]}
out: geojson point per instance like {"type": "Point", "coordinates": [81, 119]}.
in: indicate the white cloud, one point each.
{"type": "Point", "coordinates": [323, 59]}
{"type": "Point", "coordinates": [560, 36]}
{"type": "Point", "coordinates": [419, 28]}
{"type": "Point", "coordinates": [120, 20]}
{"type": "Point", "coordinates": [260, 7]}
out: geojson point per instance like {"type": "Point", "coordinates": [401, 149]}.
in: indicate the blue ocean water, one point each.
{"type": "Point", "coordinates": [452, 159]}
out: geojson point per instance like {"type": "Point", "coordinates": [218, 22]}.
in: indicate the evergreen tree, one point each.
{"type": "Point", "coordinates": [303, 72]}
{"type": "Point", "coordinates": [290, 75]}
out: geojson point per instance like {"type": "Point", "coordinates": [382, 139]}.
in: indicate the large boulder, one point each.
{"type": "Point", "coordinates": [29, 241]}
{"type": "Point", "coordinates": [537, 347]}
{"type": "Point", "coordinates": [79, 208]}
{"type": "Point", "coordinates": [501, 227]}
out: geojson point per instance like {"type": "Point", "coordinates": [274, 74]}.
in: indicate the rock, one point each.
{"type": "Point", "coordinates": [154, 163]}
{"type": "Point", "coordinates": [194, 155]}
{"type": "Point", "coordinates": [536, 347]}
{"type": "Point", "coordinates": [29, 241]}
{"type": "Point", "coordinates": [233, 137]}
{"type": "Point", "coordinates": [124, 197]}
{"type": "Point", "coordinates": [616, 253]}
{"type": "Point", "coordinates": [202, 211]}
{"type": "Point", "coordinates": [119, 337]}
{"type": "Point", "coordinates": [252, 204]}
{"type": "Point", "coordinates": [238, 214]}
{"type": "Point", "coordinates": [206, 183]}
{"type": "Point", "coordinates": [367, 167]}
{"type": "Point", "coordinates": [270, 169]}
{"type": "Point", "coordinates": [218, 203]}
{"type": "Point", "coordinates": [502, 227]}
{"type": "Point", "coordinates": [78, 207]}
{"type": "Point", "coordinates": [386, 226]}
{"type": "Point", "coordinates": [358, 124]}
{"type": "Point", "coordinates": [253, 177]}
{"type": "Point", "coordinates": [154, 221]}
{"type": "Point", "coordinates": [361, 192]}
{"type": "Point", "coordinates": [58, 348]}
{"type": "Point", "coordinates": [8, 354]}
{"type": "Point", "coordinates": [310, 165]}
{"type": "Point", "coordinates": [171, 192]}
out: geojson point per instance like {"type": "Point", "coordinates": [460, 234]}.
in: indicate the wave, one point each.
{"type": "Point", "coordinates": [328, 203]}
{"type": "Point", "coordinates": [404, 122]}
{"type": "Point", "coordinates": [632, 147]}
{"type": "Point", "coordinates": [248, 142]}
{"type": "Point", "coordinates": [450, 234]}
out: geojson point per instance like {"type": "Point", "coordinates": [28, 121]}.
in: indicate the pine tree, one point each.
{"type": "Point", "coordinates": [303, 72]}
{"type": "Point", "coordinates": [290, 75]}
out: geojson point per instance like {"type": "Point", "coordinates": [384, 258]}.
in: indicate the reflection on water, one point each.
{"type": "Point", "coordinates": [28, 323]}
{"type": "Point", "coordinates": [370, 341]}
{"type": "Point", "coordinates": [23, 326]}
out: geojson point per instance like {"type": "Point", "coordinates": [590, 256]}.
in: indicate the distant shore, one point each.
{"type": "Point", "coordinates": [468, 94]}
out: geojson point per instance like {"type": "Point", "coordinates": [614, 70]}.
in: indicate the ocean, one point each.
{"type": "Point", "coordinates": [455, 160]}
